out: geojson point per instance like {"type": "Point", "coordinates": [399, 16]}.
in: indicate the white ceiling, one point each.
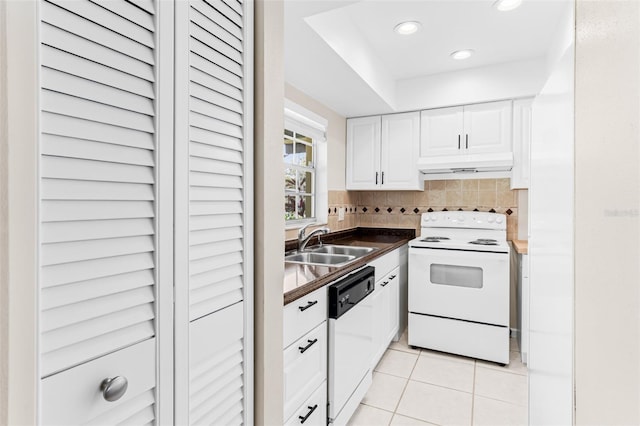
{"type": "Point", "coordinates": [346, 55]}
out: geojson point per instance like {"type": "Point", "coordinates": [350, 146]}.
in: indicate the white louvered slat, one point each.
{"type": "Point", "coordinates": [216, 275]}
{"type": "Point", "coordinates": [65, 189]}
{"type": "Point", "coordinates": [235, 5]}
{"type": "Point", "coordinates": [202, 59]}
{"type": "Point", "coordinates": [215, 125]}
{"type": "Point", "coordinates": [79, 23]}
{"type": "Point", "coordinates": [214, 82]}
{"type": "Point", "coordinates": [205, 265]}
{"type": "Point", "coordinates": [89, 230]}
{"type": "Point", "coordinates": [216, 18]}
{"type": "Point", "coordinates": [205, 37]}
{"type": "Point", "coordinates": [98, 188]}
{"type": "Point", "coordinates": [147, 5]}
{"type": "Point", "coordinates": [214, 222]}
{"type": "Point", "coordinates": [69, 84]}
{"type": "Point", "coordinates": [54, 297]}
{"type": "Point", "coordinates": [228, 12]}
{"type": "Point", "coordinates": [198, 208]}
{"type": "Point", "coordinates": [215, 235]}
{"type": "Point", "coordinates": [219, 181]}
{"type": "Point", "coordinates": [75, 65]}
{"type": "Point", "coordinates": [115, 16]}
{"type": "Point", "coordinates": [215, 153]}
{"type": "Point", "coordinates": [60, 146]}
{"type": "Point", "coordinates": [129, 12]}
{"type": "Point", "coordinates": [218, 166]}
{"type": "Point", "coordinates": [212, 110]}
{"type": "Point", "coordinates": [62, 125]}
{"type": "Point", "coordinates": [215, 139]}
{"type": "Point", "coordinates": [93, 111]}
{"type": "Point", "coordinates": [90, 170]}
{"type": "Point", "coordinates": [60, 211]}
{"type": "Point", "coordinates": [215, 29]}
{"type": "Point", "coordinates": [216, 98]}
{"type": "Point", "coordinates": [75, 251]}
{"type": "Point", "coordinates": [217, 194]}
{"type": "Point", "coordinates": [63, 40]}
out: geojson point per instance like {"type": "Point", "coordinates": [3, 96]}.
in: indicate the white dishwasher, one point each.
{"type": "Point", "coordinates": [350, 343]}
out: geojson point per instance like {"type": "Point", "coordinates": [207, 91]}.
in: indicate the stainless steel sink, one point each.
{"type": "Point", "coordinates": [348, 250]}
{"type": "Point", "coordinates": [311, 258]}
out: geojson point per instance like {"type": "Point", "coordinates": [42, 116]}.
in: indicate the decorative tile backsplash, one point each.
{"type": "Point", "coordinates": [402, 209]}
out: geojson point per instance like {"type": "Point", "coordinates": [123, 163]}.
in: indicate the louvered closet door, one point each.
{"type": "Point", "coordinates": [98, 273]}
{"type": "Point", "coordinates": [211, 246]}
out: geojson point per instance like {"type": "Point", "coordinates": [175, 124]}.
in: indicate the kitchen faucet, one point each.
{"type": "Point", "coordinates": [303, 239]}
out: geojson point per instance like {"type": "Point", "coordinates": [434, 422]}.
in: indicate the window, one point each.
{"type": "Point", "coordinates": [304, 157]}
{"type": "Point", "coordinates": [299, 176]}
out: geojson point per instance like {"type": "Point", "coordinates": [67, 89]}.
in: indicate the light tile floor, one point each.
{"type": "Point", "coordinates": [423, 387]}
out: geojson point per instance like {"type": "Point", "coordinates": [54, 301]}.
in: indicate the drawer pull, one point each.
{"type": "Point", "coordinates": [303, 349]}
{"type": "Point", "coordinates": [311, 410]}
{"type": "Point", "coordinates": [384, 283]}
{"type": "Point", "coordinates": [113, 389]}
{"type": "Point", "coordinates": [309, 304]}
{"type": "Point", "coordinates": [392, 277]}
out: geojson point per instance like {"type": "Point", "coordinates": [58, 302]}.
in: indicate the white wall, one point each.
{"type": "Point", "coordinates": [4, 234]}
{"type": "Point", "coordinates": [551, 214]}
{"type": "Point", "coordinates": [502, 81]}
{"type": "Point", "coordinates": [269, 220]}
{"type": "Point", "coordinates": [607, 195]}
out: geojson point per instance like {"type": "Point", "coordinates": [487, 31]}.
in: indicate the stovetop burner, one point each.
{"type": "Point", "coordinates": [484, 242]}
{"type": "Point", "coordinates": [434, 239]}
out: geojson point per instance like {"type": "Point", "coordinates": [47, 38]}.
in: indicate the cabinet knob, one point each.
{"type": "Point", "coordinates": [114, 388]}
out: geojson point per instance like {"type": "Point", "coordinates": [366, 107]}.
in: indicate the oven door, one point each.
{"type": "Point", "coordinates": [467, 285]}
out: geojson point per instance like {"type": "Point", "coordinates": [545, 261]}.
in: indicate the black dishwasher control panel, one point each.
{"type": "Point", "coordinates": [350, 290]}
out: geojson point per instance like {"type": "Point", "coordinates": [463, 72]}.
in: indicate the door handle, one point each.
{"type": "Point", "coordinates": [458, 141]}
{"type": "Point", "coordinates": [311, 410]}
{"type": "Point", "coordinates": [382, 183]}
{"type": "Point", "coordinates": [384, 283]}
{"type": "Point", "coordinates": [466, 141]}
{"type": "Point", "coordinates": [376, 178]}
{"type": "Point", "coordinates": [304, 349]}
{"type": "Point", "coordinates": [309, 304]}
{"type": "Point", "coordinates": [114, 388]}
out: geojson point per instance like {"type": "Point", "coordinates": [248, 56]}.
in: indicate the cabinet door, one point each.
{"type": "Point", "coordinates": [99, 188]}
{"type": "Point", "coordinates": [521, 143]}
{"type": "Point", "coordinates": [393, 300]}
{"type": "Point", "coordinates": [400, 151]}
{"type": "Point", "coordinates": [487, 128]}
{"type": "Point", "coordinates": [363, 153]}
{"type": "Point", "coordinates": [441, 131]}
{"type": "Point", "coordinates": [380, 314]}
{"type": "Point", "coordinates": [212, 192]}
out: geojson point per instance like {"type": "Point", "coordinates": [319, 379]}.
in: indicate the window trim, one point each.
{"type": "Point", "coordinates": [298, 118]}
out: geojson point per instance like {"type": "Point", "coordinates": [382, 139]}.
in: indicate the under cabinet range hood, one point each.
{"type": "Point", "coordinates": [465, 164]}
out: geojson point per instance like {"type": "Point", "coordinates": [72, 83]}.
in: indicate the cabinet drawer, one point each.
{"type": "Point", "coordinates": [74, 396]}
{"type": "Point", "coordinates": [385, 264]}
{"type": "Point", "coordinates": [313, 412]}
{"type": "Point", "coordinates": [304, 369]}
{"type": "Point", "coordinates": [303, 315]}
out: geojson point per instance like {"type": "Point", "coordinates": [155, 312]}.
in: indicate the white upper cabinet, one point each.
{"type": "Point", "coordinates": [471, 129]}
{"type": "Point", "coordinates": [521, 143]}
{"type": "Point", "coordinates": [441, 131]}
{"type": "Point", "coordinates": [382, 152]}
{"type": "Point", "coordinates": [363, 152]}
{"type": "Point", "coordinates": [400, 150]}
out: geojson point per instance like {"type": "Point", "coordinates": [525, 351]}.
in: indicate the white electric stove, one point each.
{"type": "Point", "coordinates": [459, 285]}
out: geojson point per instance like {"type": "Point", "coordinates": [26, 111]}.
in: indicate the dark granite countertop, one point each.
{"type": "Point", "coordinates": [300, 280]}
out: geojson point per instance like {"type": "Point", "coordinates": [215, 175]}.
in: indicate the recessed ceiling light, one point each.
{"type": "Point", "coordinates": [462, 54]}
{"type": "Point", "coordinates": [406, 28]}
{"type": "Point", "coordinates": [505, 5]}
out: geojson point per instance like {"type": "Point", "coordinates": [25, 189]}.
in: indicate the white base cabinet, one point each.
{"type": "Point", "coordinates": [305, 359]}
{"type": "Point", "coordinates": [523, 302]}
{"type": "Point", "coordinates": [386, 303]}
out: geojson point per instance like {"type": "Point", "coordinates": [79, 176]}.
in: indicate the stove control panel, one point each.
{"type": "Point", "coordinates": [472, 220]}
